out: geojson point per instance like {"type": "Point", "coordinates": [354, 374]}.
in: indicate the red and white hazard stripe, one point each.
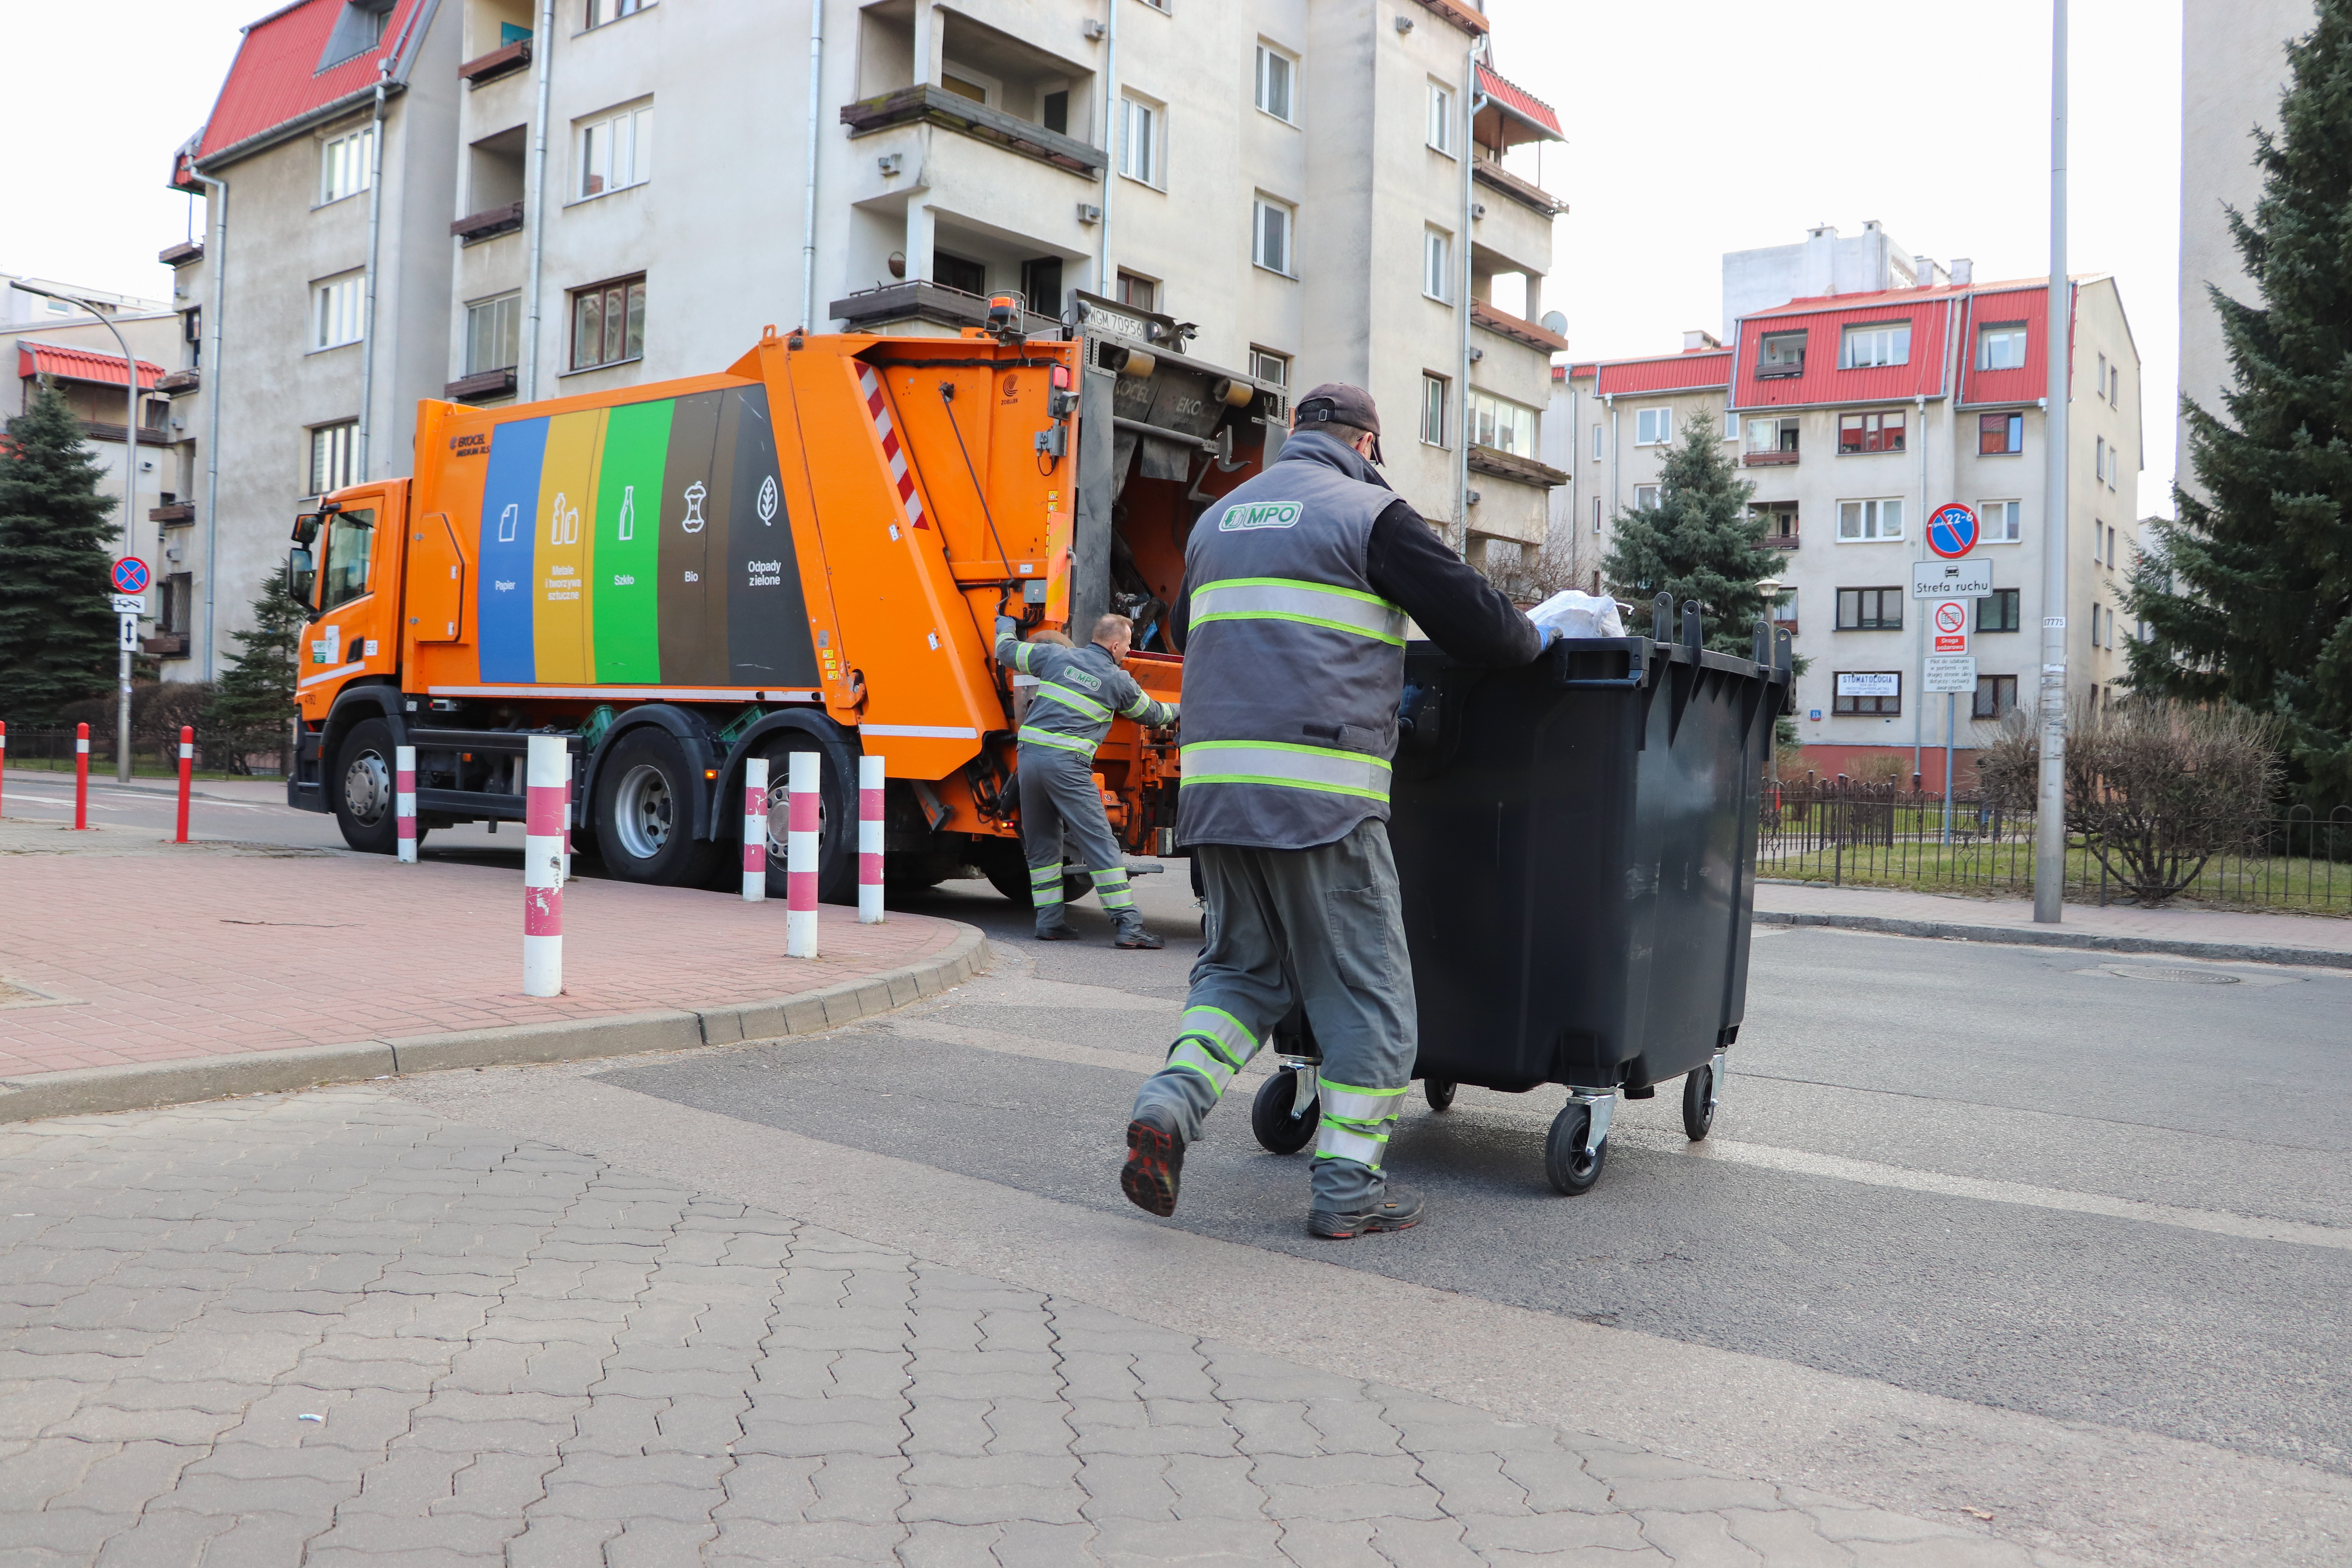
{"type": "Point", "coordinates": [878, 409]}
{"type": "Point", "coordinates": [403, 802]}
{"type": "Point", "coordinates": [755, 830]}
{"type": "Point", "coordinates": [801, 850]}
{"type": "Point", "coordinates": [870, 841]}
{"type": "Point", "coordinates": [547, 795]}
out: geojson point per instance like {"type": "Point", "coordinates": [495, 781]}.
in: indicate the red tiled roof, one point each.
{"type": "Point", "coordinates": [1693, 369]}
{"type": "Point", "coordinates": [275, 77]}
{"type": "Point", "coordinates": [1902, 296]}
{"type": "Point", "coordinates": [79, 364]}
{"type": "Point", "coordinates": [1518, 100]}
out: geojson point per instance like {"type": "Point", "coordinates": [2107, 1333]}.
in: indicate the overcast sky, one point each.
{"type": "Point", "coordinates": [1695, 127]}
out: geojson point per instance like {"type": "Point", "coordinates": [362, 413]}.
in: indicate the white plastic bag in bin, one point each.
{"type": "Point", "coordinates": [1578, 614]}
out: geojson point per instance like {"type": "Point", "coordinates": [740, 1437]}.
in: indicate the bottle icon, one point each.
{"type": "Point", "coordinates": [629, 512]}
{"type": "Point", "coordinates": [563, 526]}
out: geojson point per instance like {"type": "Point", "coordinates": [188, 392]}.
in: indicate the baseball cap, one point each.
{"type": "Point", "coordinates": [1337, 403]}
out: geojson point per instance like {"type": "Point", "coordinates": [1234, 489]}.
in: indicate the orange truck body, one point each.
{"type": "Point", "coordinates": [808, 550]}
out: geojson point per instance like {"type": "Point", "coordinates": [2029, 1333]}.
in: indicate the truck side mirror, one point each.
{"type": "Point", "coordinates": [302, 572]}
{"type": "Point", "coordinates": [306, 526]}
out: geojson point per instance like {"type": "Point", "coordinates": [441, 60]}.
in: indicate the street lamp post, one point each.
{"type": "Point", "coordinates": [129, 496]}
{"type": "Point", "coordinates": [2049, 823]}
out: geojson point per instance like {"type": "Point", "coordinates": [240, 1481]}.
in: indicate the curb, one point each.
{"type": "Point", "coordinates": [2222, 952]}
{"type": "Point", "coordinates": [81, 1091]}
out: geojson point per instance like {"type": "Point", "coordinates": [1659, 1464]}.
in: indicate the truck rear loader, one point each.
{"type": "Point", "coordinates": [806, 552]}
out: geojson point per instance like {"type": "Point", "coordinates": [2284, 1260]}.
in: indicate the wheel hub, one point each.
{"type": "Point", "coordinates": [367, 788]}
{"type": "Point", "coordinates": [644, 812]}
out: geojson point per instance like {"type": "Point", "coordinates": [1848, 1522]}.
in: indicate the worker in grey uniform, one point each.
{"type": "Point", "coordinates": [1298, 588]}
{"type": "Point", "coordinates": [1077, 692]}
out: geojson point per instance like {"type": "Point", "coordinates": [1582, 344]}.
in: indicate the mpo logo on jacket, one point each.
{"type": "Point", "coordinates": [1259, 514]}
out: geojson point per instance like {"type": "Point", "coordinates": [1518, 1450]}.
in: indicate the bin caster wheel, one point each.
{"type": "Point", "coordinates": [1571, 1168]}
{"type": "Point", "coordinates": [1282, 1126]}
{"type": "Point", "coordinates": [1699, 1102]}
{"type": "Point", "coordinates": [1439, 1092]}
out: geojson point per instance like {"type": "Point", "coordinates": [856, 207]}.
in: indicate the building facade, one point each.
{"type": "Point", "coordinates": [474, 205]}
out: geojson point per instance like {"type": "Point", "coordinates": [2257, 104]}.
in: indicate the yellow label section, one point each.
{"type": "Point", "coordinates": [562, 627]}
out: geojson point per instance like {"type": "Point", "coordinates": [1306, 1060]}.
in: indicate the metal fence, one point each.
{"type": "Point", "coordinates": [52, 750]}
{"type": "Point", "coordinates": [1852, 833]}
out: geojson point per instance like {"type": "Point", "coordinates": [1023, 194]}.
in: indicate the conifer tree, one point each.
{"type": "Point", "coordinates": [2250, 598]}
{"type": "Point", "coordinates": [57, 626]}
{"type": "Point", "coordinates": [255, 696]}
{"type": "Point", "coordinates": [1698, 543]}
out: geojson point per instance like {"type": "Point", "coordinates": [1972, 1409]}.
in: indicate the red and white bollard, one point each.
{"type": "Point", "coordinates": [755, 830]}
{"type": "Point", "coordinates": [403, 802]}
{"type": "Point", "coordinates": [187, 774]}
{"type": "Point", "coordinates": [870, 841]}
{"type": "Point", "coordinates": [800, 864]}
{"type": "Point", "coordinates": [549, 785]}
{"type": "Point", "coordinates": [81, 775]}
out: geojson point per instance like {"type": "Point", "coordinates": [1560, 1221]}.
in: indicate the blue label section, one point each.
{"type": "Point", "coordinates": [510, 510]}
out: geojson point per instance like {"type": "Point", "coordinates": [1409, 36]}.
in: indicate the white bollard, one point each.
{"type": "Point", "coordinates": [755, 830]}
{"type": "Point", "coordinates": [403, 801]}
{"type": "Point", "coordinates": [800, 841]}
{"type": "Point", "coordinates": [549, 786]}
{"type": "Point", "coordinates": [870, 841]}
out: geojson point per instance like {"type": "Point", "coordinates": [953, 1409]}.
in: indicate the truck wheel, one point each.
{"type": "Point", "coordinates": [645, 812]}
{"type": "Point", "coordinates": [836, 816]}
{"type": "Point", "coordinates": [1001, 861]}
{"type": "Point", "coordinates": [361, 787]}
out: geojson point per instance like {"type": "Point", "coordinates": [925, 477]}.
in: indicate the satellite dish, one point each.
{"type": "Point", "coordinates": [1555, 323]}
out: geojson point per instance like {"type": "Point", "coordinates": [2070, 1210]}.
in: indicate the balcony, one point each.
{"type": "Point", "coordinates": [179, 381]}
{"type": "Point", "coordinates": [1496, 177]}
{"type": "Point", "coordinates": [937, 106]}
{"type": "Point", "coordinates": [1770, 459]}
{"type": "Point", "coordinates": [1780, 370]}
{"type": "Point", "coordinates": [872, 310]}
{"type": "Point", "coordinates": [488, 67]}
{"type": "Point", "coordinates": [481, 386]}
{"type": "Point", "coordinates": [1511, 466]}
{"type": "Point", "coordinates": [1509, 326]}
{"type": "Point", "coordinates": [185, 254]}
{"type": "Point", "coordinates": [489, 222]}
{"type": "Point", "coordinates": [100, 430]}
{"type": "Point", "coordinates": [1779, 541]}
{"type": "Point", "coordinates": [166, 645]}
{"type": "Point", "coordinates": [178, 514]}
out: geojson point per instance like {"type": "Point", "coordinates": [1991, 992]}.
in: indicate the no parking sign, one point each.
{"type": "Point", "coordinates": [1952, 530]}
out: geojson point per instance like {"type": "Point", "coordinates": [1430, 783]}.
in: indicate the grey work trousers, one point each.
{"type": "Point", "coordinates": [1323, 926]}
{"type": "Point", "coordinates": [1060, 802]}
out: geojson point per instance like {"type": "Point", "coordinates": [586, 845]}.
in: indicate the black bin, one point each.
{"type": "Point", "coordinates": [1576, 842]}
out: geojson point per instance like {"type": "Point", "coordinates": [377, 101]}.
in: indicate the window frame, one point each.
{"type": "Point", "coordinates": [1873, 519]}
{"type": "Point", "coordinates": [1871, 426]}
{"type": "Point", "coordinates": [1665, 415]}
{"type": "Point", "coordinates": [1481, 403]}
{"type": "Point", "coordinates": [2012, 425]}
{"type": "Point", "coordinates": [1879, 597]}
{"type": "Point", "coordinates": [340, 526]}
{"type": "Point", "coordinates": [1134, 109]}
{"type": "Point", "coordinates": [512, 297]}
{"type": "Point", "coordinates": [1261, 206]}
{"type": "Point", "coordinates": [363, 173]}
{"type": "Point", "coordinates": [1892, 327]}
{"type": "Point", "coordinates": [619, 10]}
{"type": "Point", "coordinates": [1656, 494]}
{"type": "Point", "coordinates": [1261, 357]}
{"type": "Point", "coordinates": [1977, 707]}
{"type": "Point", "coordinates": [2012, 601]}
{"type": "Point", "coordinates": [1773, 428]}
{"type": "Point", "coordinates": [1127, 283]}
{"type": "Point", "coordinates": [1839, 701]}
{"type": "Point", "coordinates": [2003, 330]}
{"type": "Point", "coordinates": [638, 116]}
{"type": "Point", "coordinates": [341, 437]}
{"type": "Point", "coordinates": [2012, 519]}
{"type": "Point", "coordinates": [1768, 343]}
{"type": "Point", "coordinates": [1596, 514]}
{"type": "Point", "coordinates": [1269, 53]}
{"type": "Point", "coordinates": [1437, 133]}
{"type": "Point", "coordinates": [342, 296]}
{"type": "Point", "coordinates": [1437, 263]}
{"type": "Point", "coordinates": [1436, 404]}
{"type": "Point", "coordinates": [1597, 438]}
{"type": "Point", "coordinates": [628, 283]}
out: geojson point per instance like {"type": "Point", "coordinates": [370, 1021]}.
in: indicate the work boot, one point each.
{"type": "Point", "coordinates": [1051, 927]}
{"type": "Point", "coordinates": [1155, 1161]}
{"type": "Point", "coordinates": [1394, 1209]}
{"type": "Point", "coordinates": [1131, 932]}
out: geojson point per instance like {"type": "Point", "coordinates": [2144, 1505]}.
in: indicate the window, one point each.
{"type": "Point", "coordinates": [2115, 385]}
{"type": "Point", "coordinates": [330, 456]}
{"type": "Point", "coordinates": [1596, 443]}
{"type": "Point", "coordinates": [1432, 409]}
{"type": "Point", "coordinates": [346, 164]}
{"type": "Point", "coordinates": [1784, 609]}
{"type": "Point", "coordinates": [616, 151]}
{"type": "Point", "coordinates": [1646, 497]}
{"type": "Point", "coordinates": [959, 272]}
{"type": "Point", "coordinates": [1876, 343]}
{"type": "Point", "coordinates": [2097, 540]}
{"type": "Point", "coordinates": [603, 11]}
{"type": "Point", "coordinates": [1784, 354]}
{"type": "Point", "coordinates": [2002, 346]}
{"type": "Point", "coordinates": [1137, 292]}
{"type": "Point", "coordinates": [1731, 425]}
{"type": "Point", "coordinates": [608, 323]}
{"type": "Point", "coordinates": [1441, 118]}
{"type": "Point", "coordinates": [2000, 519]}
{"type": "Point", "coordinates": [1502, 425]}
{"type": "Point", "coordinates": [1870, 519]}
{"type": "Point", "coordinates": [1877, 692]}
{"type": "Point", "coordinates": [1870, 609]}
{"type": "Point", "coordinates": [1772, 437]}
{"type": "Point", "coordinates": [2099, 383]}
{"type": "Point", "coordinates": [179, 596]}
{"type": "Point", "coordinates": [1141, 134]}
{"type": "Point", "coordinates": [2112, 560]}
{"type": "Point", "coordinates": [1269, 366]}
{"type": "Point", "coordinates": [351, 539]}
{"type": "Point", "coordinates": [1054, 112]}
{"type": "Point", "coordinates": [1999, 432]}
{"type": "Point", "coordinates": [1275, 73]}
{"type": "Point", "coordinates": [1437, 265]}
{"type": "Point", "coordinates": [1870, 433]}
{"type": "Point", "coordinates": [337, 309]}
{"type": "Point", "coordinates": [2099, 459]}
{"type": "Point", "coordinates": [493, 333]}
{"type": "Point", "coordinates": [1596, 514]}
{"type": "Point", "coordinates": [962, 88]}
{"type": "Point", "coordinates": [1654, 427]}
{"type": "Point", "coordinates": [1273, 236]}
{"type": "Point", "coordinates": [1997, 611]}
{"type": "Point", "coordinates": [1996, 695]}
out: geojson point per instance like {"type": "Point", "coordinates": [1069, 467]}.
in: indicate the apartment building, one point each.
{"type": "Point", "coordinates": [1855, 417]}
{"type": "Point", "coordinates": [1293, 192]}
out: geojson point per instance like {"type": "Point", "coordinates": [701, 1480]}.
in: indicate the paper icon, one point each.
{"type": "Point", "coordinates": [507, 521]}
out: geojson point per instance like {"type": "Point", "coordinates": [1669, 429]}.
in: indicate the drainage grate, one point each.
{"type": "Point", "coordinates": [2172, 976]}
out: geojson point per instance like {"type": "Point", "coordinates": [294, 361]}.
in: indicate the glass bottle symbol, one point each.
{"type": "Point", "coordinates": [562, 523]}
{"type": "Point", "coordinates": [629, 512]}
{"type": "Point", "coordinates": [693, 521]}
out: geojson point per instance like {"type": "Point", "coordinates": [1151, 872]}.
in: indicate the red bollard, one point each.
{"type": "Point", "coordinates": [81, 776]}
{"type": "Point", "coordinates": [187, 772]}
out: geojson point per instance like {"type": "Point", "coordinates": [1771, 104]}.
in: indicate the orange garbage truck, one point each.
{"type": "Point", "coordinates": [805, 551]}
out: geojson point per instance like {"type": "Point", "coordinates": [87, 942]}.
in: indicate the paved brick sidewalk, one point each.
{"type": "Point", "coordinates": [138, 951]}
{"type": "Point", "coordinates": [2247, 928]}
{"type": "Point", "coordinates": [336, 1329]}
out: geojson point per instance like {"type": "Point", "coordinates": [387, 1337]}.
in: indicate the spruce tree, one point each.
{"type": "Point", "coordinates": [2251, 601]}
{"type": "Point", "coordinates": [255, 696]}
{"type": "Point", "coordinates": [56, 627]}
{"type": "Point", "coordinates": [1699, 541]}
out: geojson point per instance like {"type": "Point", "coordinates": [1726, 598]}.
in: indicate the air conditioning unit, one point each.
{"type": "Point", "coordinates": [1089, 212]}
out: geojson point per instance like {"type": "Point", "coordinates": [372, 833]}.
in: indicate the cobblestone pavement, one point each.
{"type": "Point", "coordinates": [336, 1328]}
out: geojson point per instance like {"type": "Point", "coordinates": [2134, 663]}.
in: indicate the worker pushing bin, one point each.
{"type": "Point", "coordinates": [1576, 844]}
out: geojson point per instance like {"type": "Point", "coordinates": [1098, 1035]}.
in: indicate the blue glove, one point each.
{"type": "Point", "coordinates": [1006, 627]}
{"type": "Point", "coordinates": [1553, 634]}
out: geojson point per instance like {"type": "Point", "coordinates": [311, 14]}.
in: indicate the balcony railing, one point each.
{"type": "Point", "coordinates": [1511, 326]}
{"type": "Point", "coordinates": [496, 63]}
{"type": "Point", "coordinates": [179, 381]}
{"type": "Point", "coordinates": [1511, 466]}
{"type": "Point", "coordinates": [1773, 459]}
{"type": "Point", "coordinates": [177, 515]}
{"type": "Point", "coordinates": [182, 254]}
{"type": "Point", "coordinates": [100, 430]}
{"type": "Point", "coordinates": [919, 301]}
{"type": "Point", "coordinates": [1779, 541]}
{"type": "Point", "coordinates": [166, 645]}
{"type": "Point", "coordinates": [912, 105]}
{"type": "Point", "coordinates": [1780, 370]}
{"type": "Point", "coordinates": [1488, 173]}
{"type": "Point", "coordinates": [481, 385]}
{"type": "Point", "coordinates": [489, 222]}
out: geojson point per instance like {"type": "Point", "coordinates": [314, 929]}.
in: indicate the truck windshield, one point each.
{"type": "Point", "coordinates": [351, 537]}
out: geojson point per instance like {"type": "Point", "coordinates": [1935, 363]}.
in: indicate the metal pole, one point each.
{"type": "Point", "coordinates": [1473, 100]}
{"type": "Point", "coordinates": [2050, 826]}
{"type": "Point", "coordinates": [1951, 717]}
{"type": "Point", "coordinates": [542, 52]}
{"type": "Point", "coordinates": [808, 206]}
{"type": "Point", "coordinates": [365, 432]}
{"type": "Point", "coordinates": [217, 258]}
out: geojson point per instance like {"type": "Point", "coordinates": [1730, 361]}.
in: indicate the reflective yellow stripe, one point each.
{"type": "Point", "coordinates": [1030, 732]}
{"type": "Point", "coordinates": [1112, 887]}
{"type": "Point", "coordinates": [1193, 1055]}
{"type": "Point", "coordinates": [1021, 652]}
{"type": "Point", "coordinates": [1289, 599]}
{"type": "Point", "coordinates": [1086, 706]}
{"type": "Point", "coordinates": [1278, 762]}
{"type": "Point", "coordinates": [1236, 1041]}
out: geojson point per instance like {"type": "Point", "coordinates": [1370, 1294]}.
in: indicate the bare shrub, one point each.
{"type": "Point", "coordinates": [2009, 760]}
{"type": "Point", "coordinates": [1879, 770]}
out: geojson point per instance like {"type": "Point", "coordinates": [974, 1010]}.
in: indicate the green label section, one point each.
{"type": "Point", "coordinates": [628, 542]}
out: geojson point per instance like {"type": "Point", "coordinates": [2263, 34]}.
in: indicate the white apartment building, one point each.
{"type": "Point", "coordinates": [1855, 416]}
{"type": "Point", "coordinates": [485, 200]}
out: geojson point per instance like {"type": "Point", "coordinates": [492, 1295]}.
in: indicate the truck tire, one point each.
{"type": "Point", "coordinates": [645, 812]}
{"type": "Point", "coordinates": [836, 841]}
{"type": "Point", "coordinates": [361, 788]}
{"type": "Point", "coordinates": [1000, 860]}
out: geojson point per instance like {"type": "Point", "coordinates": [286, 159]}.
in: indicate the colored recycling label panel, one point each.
{"type": "Point", "coordinates": [641, 544]}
